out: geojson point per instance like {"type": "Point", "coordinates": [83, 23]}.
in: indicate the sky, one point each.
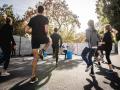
{"type": "Point", "coordinates": [85, 9]}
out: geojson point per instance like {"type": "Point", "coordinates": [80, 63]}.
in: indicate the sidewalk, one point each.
{"type": "Point", "coordinates": [67, 76]}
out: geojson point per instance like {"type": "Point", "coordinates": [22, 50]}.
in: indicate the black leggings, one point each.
{"type": "Point", "coordinates": [107, 54]}
{"type": "Point", "coordinates": [65, 51]}
{"type": "Point", "coordinates": [55, 53]}
{"type": "Point", "coordinates": [6, 51]}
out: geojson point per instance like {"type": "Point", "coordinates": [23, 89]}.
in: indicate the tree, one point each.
{"type": "Point", "coordinates": [109, 12]}
{"type": "Point", "coordinates": [6, 10]}
{"type": "Point", "coordinates": [17, 22]}
{"type": "Point", "coordinates": [58, 14]}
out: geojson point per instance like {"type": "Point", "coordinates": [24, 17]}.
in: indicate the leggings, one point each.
{"type": "Point", "coordinates": [107, 54]}
{"type": "Point", "coordinates": [55, 53]}
{"type": "Point", "coordinates": [6, 51]}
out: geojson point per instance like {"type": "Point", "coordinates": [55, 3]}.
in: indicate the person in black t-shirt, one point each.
{"type": "Point", "coordinates": [6, 39]}
{"type": "Point", "coordinates": [56, 43]}
{"type": "Point", "coordinates": [38, 26]}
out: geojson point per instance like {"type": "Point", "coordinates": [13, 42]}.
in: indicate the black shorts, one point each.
{"type": "Point", "coordinates": [37, 41]}
{"type": "Point", "coordinates": [65, 51]}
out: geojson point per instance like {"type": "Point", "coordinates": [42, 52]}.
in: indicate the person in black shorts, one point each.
{"type": "Point", "coordinates": [56, 43]}
{"type": "Point", "coordinates": [38, 27]}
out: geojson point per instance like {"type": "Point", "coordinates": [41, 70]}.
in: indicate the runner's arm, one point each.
{"type": "Point", "coordinates": [46, 28]}
{"type": "Point", "coordinates": [28, 29]}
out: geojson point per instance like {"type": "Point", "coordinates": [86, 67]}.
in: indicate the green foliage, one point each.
{"type": "Point", "coordinates": [17, 23]}
{"type": "Point", "coordinates": [109, 12]}
{"type": "Point", "coordinates": [18, 27]}
{"type": "Point", "coordinates": [7, 9]}
{"type": "Point", "coordinates": [67, 35]}
{"type": "Point", "coordinates": [59, 16]}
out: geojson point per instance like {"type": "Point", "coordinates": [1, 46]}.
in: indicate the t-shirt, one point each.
{"type": "Point", "coordinates": [108, 41]}
{"type": "Point", "coordinates": [56, 39]}
{"type": "Point", "coordinates": [37, 23]}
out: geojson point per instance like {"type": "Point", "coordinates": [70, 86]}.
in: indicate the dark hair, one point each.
{"type": "Point", "coordinates": [55, 29]}
{"type": "Point", "coordinates": [40, 9]}
{"type": "Point", "coordinates": [8, 20]}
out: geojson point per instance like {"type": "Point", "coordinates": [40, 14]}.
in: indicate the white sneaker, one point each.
{"type": "Point", "coordinates": [5, 73]}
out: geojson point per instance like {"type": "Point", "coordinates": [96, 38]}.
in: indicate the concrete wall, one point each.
{"type": "Point", "coordinates": [25, 45]}
{"type": "Point", "coordinates": [27, 50]}
{"type": "Point", "coordinates": [119, 47]}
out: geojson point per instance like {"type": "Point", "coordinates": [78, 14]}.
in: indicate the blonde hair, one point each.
{"type": "Point", "coordinates": [108, 27]}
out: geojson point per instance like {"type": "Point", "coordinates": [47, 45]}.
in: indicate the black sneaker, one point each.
{"type": "Point", "coordinates": [99, 65]}
{"type": "Point", "coordinates": [33, 79]}
{"type": "Point", "coordinates": [88, 68]}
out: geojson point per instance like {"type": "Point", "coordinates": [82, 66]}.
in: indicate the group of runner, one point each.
{"type": "Point", "coordinates": [38, 27]}
{"type": "Point", "coordinates": [96, 46]}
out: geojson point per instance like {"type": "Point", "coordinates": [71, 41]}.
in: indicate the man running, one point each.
{"type": "Point", "coordinates": [56, 42]}
{"type": "Point", "coordinates": [38, 27]}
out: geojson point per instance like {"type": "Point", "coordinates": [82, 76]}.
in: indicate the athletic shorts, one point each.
{"type": "Point", "coordinates": [65, 51]}
{"type": "Point", "coordinates": [37, 42]}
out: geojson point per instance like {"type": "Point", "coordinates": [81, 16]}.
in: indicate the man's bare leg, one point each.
{"type": "Point", "coordinates": [34, 62]}
{"type": "Point", "coordinates": [110, 66]}
{"type": "Point", "coordinates": [48, 44]}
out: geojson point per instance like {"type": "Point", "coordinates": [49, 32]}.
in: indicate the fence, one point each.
{"type": "Point", "coordinates": [23, 47]}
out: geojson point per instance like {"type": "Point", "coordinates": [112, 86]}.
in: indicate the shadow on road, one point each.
{"type": "Point", "coordinates": [114, 81]}
{"type": "Point", "coordinates": [112, 77]}
{"type": "Point", "coordinates": [116, 67]}
{"type": "Point", "coordinates": [68, 64]}
{"type": "Point", "coordinates": [25, 85]}
{"type": "Point", "coordinates": [92, 83]}
{"type": "Point", "coordinates": [16, 70]}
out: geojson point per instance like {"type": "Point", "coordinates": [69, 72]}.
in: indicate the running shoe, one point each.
{"type": "Point", "coordinates": [88, 68]}
{"type": "Point", "coordinates": [5, 73]}
{"type": "Point", "coordinates": [33, 79]}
